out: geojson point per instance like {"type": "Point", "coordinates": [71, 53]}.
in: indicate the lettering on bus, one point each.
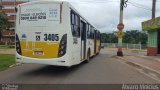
{"type": "Point", "coordinates": [38, 37]}
{"type": "Point", "coordinates": [51, 37]}
{"type": "Point", "coordinates": [33, 16]}
{"type": "Point", "coordinates": [53, 12]}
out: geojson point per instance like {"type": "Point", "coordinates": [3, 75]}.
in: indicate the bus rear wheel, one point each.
{"type": "Point", "coordinates": [88, 57]}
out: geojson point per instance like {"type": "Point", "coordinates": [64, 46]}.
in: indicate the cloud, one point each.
{"type": "Point", "coordinates": [105, 14]}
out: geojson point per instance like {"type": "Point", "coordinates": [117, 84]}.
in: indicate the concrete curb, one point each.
{"type": "Point", "coordinates": [141, 56]}
{"type": "Point", "coordinates": [145, 69]}
{"type": "Point", "coordinates": [17, 64]}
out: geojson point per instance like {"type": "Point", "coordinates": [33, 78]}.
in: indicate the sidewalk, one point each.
{"type": "Point", "coordinates": [149, 64]}
{"type": "Point", "coordinates": [7, 51]}
{"type": "Point", "coordinates": [156, 58]}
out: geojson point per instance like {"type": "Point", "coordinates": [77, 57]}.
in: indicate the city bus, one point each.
{"type": "Point", "coordinates": [54, 33]}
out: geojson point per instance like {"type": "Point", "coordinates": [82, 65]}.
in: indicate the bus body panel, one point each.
{"type": "Point", "coordinates": [97, 46]}
{"type": "Point", "coordinates": [40, 31]}
{"type": "Point", "coordinates": [92, 47]}
{"type": "Point", "coordinates": [31, 34]}
{"type": "Point", "coordinates": [63, 61]}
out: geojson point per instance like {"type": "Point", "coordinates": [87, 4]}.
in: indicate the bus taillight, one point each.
{"type": "Point", "coordinates": [62, 46]}
{"type": "Point", "coordinates": [18, 47]}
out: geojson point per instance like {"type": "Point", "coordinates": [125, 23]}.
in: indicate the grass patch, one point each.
{"type": "Point", "coordinates": [6, 60]}
{"type": "Point", "coordinates": [136, 50]}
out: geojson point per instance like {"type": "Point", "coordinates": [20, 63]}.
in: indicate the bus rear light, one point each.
{"type": "Point", "coordinates": [63, 42]}
{"type": "Point", "coordinates": [18, 47]}
{"type": "Point", "coordinates": [16, 9]}
{"type": "Point", "coordinates": [62, 46]}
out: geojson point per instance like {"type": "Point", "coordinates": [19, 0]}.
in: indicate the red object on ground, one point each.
{"type": "Point", "coordinates": [151, 51]}
{"type": "Point", "coordinates": [119, 49]}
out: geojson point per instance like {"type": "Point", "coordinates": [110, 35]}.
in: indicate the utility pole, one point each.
{"type": "Point", "coordinates": [153, 9]}
{"type": "Point", "coordinates": [120, 28]}
{"type": "Point", "coordinates": [121, 11]}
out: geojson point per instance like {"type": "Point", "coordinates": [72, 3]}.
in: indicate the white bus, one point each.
{"type": "Point", "coordinates": [54, 33]}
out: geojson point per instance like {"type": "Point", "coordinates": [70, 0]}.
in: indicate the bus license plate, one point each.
{"type": "Point", "coordinates": [38, 52]}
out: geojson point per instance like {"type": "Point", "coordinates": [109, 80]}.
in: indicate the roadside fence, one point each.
{"type": "Point", "coordinates": [7, 43]}
{"type": "Point", "coordinates": [127, 46]}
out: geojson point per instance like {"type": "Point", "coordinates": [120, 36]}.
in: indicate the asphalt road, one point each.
{"type": "Point", "coordinates": [102, 69]}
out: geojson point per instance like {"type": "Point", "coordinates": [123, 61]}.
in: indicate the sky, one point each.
{"type": "Point", "coordinates": [104, 14]}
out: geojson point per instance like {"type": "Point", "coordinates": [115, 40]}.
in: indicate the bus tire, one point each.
{"type": "Point", "coordinates": [88, 57]}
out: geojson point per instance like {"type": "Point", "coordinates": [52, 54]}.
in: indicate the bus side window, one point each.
{"type": "Point", "coordinates": [72, 23]}
{"type": "Point", "coordinates": [92, 32]}
{"type": "Point", "coordinates": [88, 32]}
{"type": "Point", "coordinates": [87, 28]}
{"type": "Point", "coordinates": [75, 24]}
{"type": "Point", "coordinates": [99, 36]}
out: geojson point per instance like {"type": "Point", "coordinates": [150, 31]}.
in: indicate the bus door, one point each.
{"type": "Point", "coordinates": [95, 41]}
{"type": "Point", "coordinates": [83, 40]}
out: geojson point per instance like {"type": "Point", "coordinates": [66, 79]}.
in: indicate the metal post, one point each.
{"type": "Point", "coordinates": [119, 52]}
{"type": "Point", "coordinates": [140, 46]}
{"type": "Point", "coordinates": [153, 9]}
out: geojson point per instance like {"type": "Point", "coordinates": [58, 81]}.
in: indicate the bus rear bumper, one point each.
{"type": "Point", "coordinates": [53, 61]}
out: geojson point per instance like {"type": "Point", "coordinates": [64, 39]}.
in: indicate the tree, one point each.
{"type": "Point", "coordinates": [103, 37]}
{"type": "Point", "coordinates": [143, 37]}
{"type": "Point", "coordinates": [132, 37]}
{"type": "Point", "coordinates": [4, 24]}
{"type": "Point", "coordinates": [109, 38]}
{"type": "Point", "coordinates": [135, 37]}
{"type": "Point", "coordinates": [3, 21]}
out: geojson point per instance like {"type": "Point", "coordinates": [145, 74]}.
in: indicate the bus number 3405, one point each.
{"type": "Point", "coordinates": [51, 37]}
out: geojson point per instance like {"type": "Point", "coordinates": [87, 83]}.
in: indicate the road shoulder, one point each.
{"type": "Point", "coordinates": [148, 67]}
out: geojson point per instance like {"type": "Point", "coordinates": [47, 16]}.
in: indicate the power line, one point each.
{"type": "Point", "coordinates": [104, 2]}
{"type": "Point", "coordinates": [139, 6]}
{"type": "Point", "coordinates": [137, 3]}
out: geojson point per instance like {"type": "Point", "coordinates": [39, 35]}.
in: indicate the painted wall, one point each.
{"type": "Point", "coordinates": [152, 38]}
{"type": "Point", "coordinates": [152, 42]}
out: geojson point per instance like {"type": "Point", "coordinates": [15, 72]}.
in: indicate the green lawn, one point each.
{"type": "Point", "coordinates": [6, 60]}
{"type": "Point", "coordinates": [136, 50]}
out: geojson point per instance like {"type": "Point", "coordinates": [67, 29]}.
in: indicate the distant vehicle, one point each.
{"type": "Point", "coordinates": [54, 33]}
{"type": "Point", "coordinates": [102, 46]}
